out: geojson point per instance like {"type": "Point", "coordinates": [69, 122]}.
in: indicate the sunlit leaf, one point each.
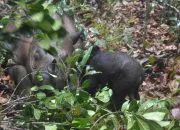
{"type": "Point", "coordinates": [156, 116]}
{"type": "Point", "coordinates": [46, 87]}
{"type": "Point", "coordinates": [57, 25]}
{"type": "Point", "coordinates": [35, 88]}
{"type": "Point", "coordinates": [115, 121]}
{"type": "Point", "coordinates": [125, 106]}
{"type": "Point", "coordinates": [130, 121]}
{"type": "Point", "coordinates": [40, 95]}
{"type": "Point", "coordinates": [104, 95]}
{"type": "Point", "coordinates": [164, 123]}
{"type": "Point", "coordinates": [142, 123]}
{"type": "Point", "coordinates": [104, 127]}
{"type": "Point", "coordinates": [45, 26]}
{"type": "Point", "coordinates": [50, 127]}
{"type": "Point", "coordinates": [152, 59]}
{"type": "Point", "coordinates": [37, 113]}
{"type": "Point", "coordinates": [86, 57]}
{"type": "Point", "coordinates": [91, 113]}
{"type": "Point", "coordinates": [44, 41]}
{"type": "Point", "coordinates": [51, 103]}
{"type": "Point", "coordinates": [37, 17]}
{"type": "Point", "coordinates": [148, 104]}
{"type": "Point", "coordinates": [154, 126]}
{"type": "Point", "coordinates": [81, 123]}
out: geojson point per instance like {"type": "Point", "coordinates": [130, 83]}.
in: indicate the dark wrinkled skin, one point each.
{"type": "Point", "coordinates": [122, 73]}
{"type": "Point", "coordinates": [72, 40]}
{"type": "Point", "coordinates": [30, 58]}
{"type": "Point", "coordinates": [19, 74]}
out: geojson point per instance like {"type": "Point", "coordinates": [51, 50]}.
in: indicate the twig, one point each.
{"type": "Point", "coordinates": [174, 8]}
{"type": "Point", "coordinates": [54, 123]}
{"type": "Point", "coordinates": [14, 103]}
{"type": "Point", "coordinates": [103, 117]}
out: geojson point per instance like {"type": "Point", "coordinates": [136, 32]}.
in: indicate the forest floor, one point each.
{"type": "Point", "coordinates": [146, 36]}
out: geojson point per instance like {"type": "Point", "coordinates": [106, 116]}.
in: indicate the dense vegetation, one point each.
{"type": "Point", "coordinates": [147, 30]}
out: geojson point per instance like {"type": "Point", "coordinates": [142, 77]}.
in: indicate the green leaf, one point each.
{"type": "Point", "coordinates": [44, 41]}
{"type": "Point", "coordinates": [5, 19]}
{"type": "Point", "coordinates": [57, 25]}
{"type": "Point", "coordinates": [173, 18]}
{"type": "Point", "coordinates": [174, 125]}
{"type": "Point", "coordinates": [164, 123]}
{"type": "Point", "coordinates": [125, 106]}
{"type": "Point", "coordinates": [104, 127]}
{"type": "Point", "coordinates": [46, 87]}
{"type": "Point", "coordinates": [115, 121]}
{"type": "Point", "coordinates": [171, 125]}
{"type": "Point", "coordinates": [147, 105]}
{"type": "Point", "coordinates": [65, 96]}
{"type": "Point", "coordinates": [86, 57]}
{"type": "Point", "coordinates": [142, 123]}
{"type": "Point", "coordinates": [152, 60]}
{"type": "Point", "coordinates": [146, 44]}
{"type": "Point", "coordinates": [18, 23]}
{"type": "Point", "coordinates": [130, 121]}
{"type": "Point", "coordinates": [91, 113]}
{"type": "Point", "coordinates": [51, 103]}
{"type": "Point", "coordinates": [133, 107]}
{"type": "Point", "coordinates": [37, 113]}
{"type": "Point", "coordinates": [39, 77]}
{"type": "Point", "coordinates": [101, 43]}
{"type": "Point", "coordinates": [71, 60]}
{"type": "Point", "coordinates": [45, 26]}
{"type": "Point", "coordinates": [50, 127]}
{"type": "Point", "coordinates": [21, 3]}
{"type": "Point", "coordinates": [85, 84]}
{"type": "Point", "coordinates": [34, 89]}
{"type": "Point", "coordinates": [40, 95]}
{"type": "Point", "coordinates": [104, 95]}
{"type": "Point", "coordinates": [74, 79]}
{"type": "Point", "coordinates": [82, 123]}
{"type": "Point", "coordinates": [37, 17]}
{"type": "Point", "coordinates": [82, 96]}
{"type": "Point", "coordinates": [156, 116]}
{"type": "Point", "coordinates": [154, 126]}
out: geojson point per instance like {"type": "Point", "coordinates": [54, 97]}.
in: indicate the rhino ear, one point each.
{"type": "Point", "coordinates": [68, 23]}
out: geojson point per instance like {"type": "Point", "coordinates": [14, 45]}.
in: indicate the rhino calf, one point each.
{"type": "Point", "coordinates": [122, 73]}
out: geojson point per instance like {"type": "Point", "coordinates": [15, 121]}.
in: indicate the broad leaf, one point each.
{"type": "Point", "coordinates": [37, 113]}
{"type": "Point", "coordinates": [40, 95]}
{"type": "Point", "coordinates": [50, 127]}
{"type": "Point", "coordinates": [156, 116]}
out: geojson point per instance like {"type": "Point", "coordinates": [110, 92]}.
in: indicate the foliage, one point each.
{"type": "Point", "coordinates": [78, 110]}
{"type": "Point", "coordinates": [51, 109]}
{"type": "Point", "coordinates": [38, 18]}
